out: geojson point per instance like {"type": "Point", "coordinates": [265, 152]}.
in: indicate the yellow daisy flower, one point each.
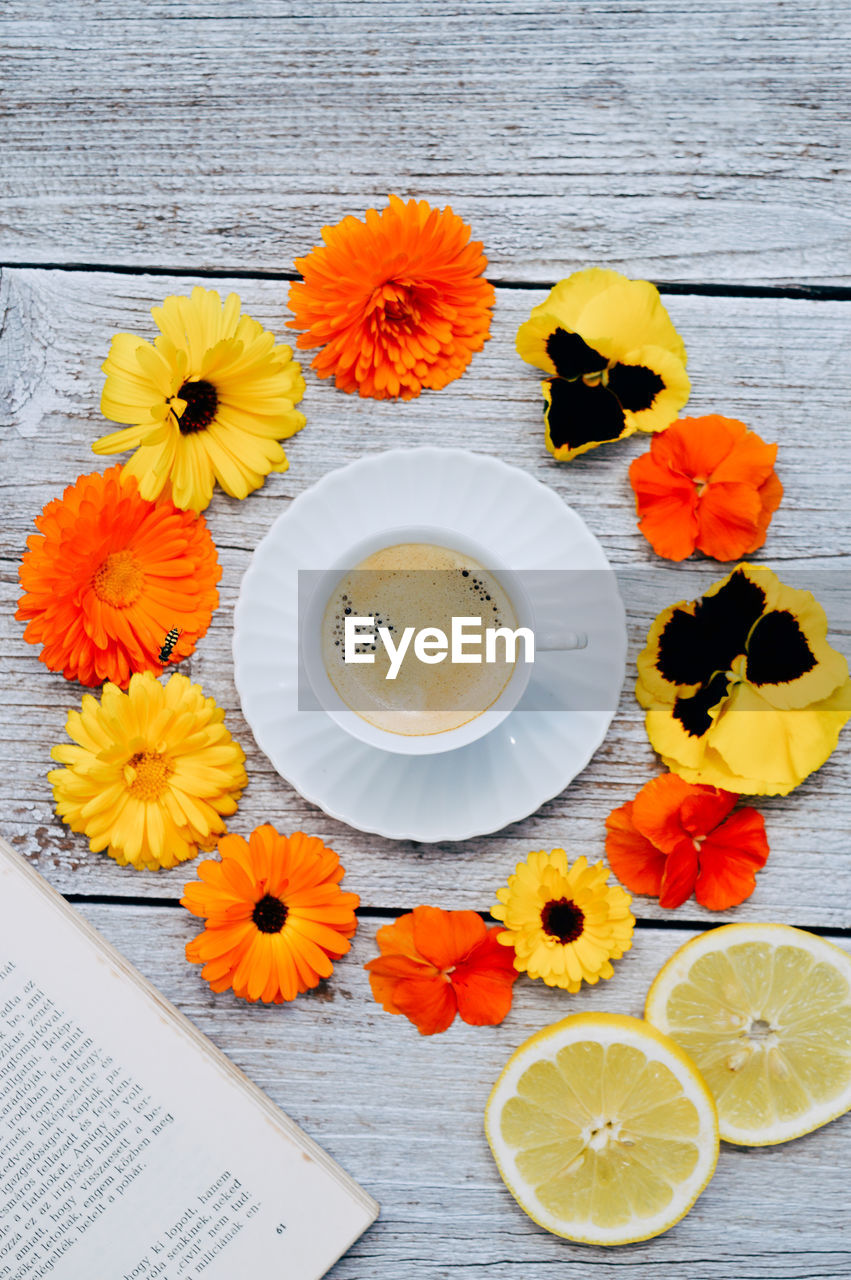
{"type": "Point", "coordinates": [208, 401]}
{"type": "Point", "coordinates": [152, 772]}
{"type": "Point", "coordinates": [741, 687]}
{"type": "Point", "coordinates": [566, 924]}
{"type": "Point", "coordinates": [617, 363]}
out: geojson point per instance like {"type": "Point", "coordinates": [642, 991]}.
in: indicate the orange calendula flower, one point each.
{"type": "Point", "coordinates": [396, 303]}
{"type": "Point", "coordinates": [676, 838]}
{"type": "Point", "coordinates": [706, 484]}
{"type": "Point", "coordinates": [436, 963]}
{"type": "Point", "coordinates": [110, 574]}
{"type": "Point", "coordinates": [275, 915]}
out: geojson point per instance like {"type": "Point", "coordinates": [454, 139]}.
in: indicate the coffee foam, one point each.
{"type": "Point", "coordinates": [419, 585]}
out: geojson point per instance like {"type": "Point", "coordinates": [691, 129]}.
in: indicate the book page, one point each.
{"type": "Point", "coordinates": [129, 1147]}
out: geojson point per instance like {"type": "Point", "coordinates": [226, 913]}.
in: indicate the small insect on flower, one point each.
{"type": "Point", "coordinates": [168, 644]}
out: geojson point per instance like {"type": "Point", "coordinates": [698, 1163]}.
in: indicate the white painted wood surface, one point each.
{"type": "Point", "coordinates": [698, 141]}
{"type": "Point", "coordinates": [704, 143]}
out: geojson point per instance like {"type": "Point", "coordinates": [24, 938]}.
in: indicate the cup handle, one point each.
{"type": "Point", "coordinates": [557, 641]}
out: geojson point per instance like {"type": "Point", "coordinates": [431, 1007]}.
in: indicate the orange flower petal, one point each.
{"type": "Point", "coordinates": [705, 808]}
{"type": "Point", "coordinates": [436, 962]}
{"type": "Point", "coordinates": [729, 860]}
{"type": "Point", "coordinates": [728, 520]}
{"type": "Point", "coordinates": [266, 959]}
{"type": "Point", "coordinates": [383, 988]}
{"type": "Point", "coordinates": [706, 484]}
{"type": "Point", "coordinates": [396, 303]}
{"type": "Point", "coordinates": [771, 494]}
{"type": "Point", "coordinates": [429, 1003]}
{"type": "Point", "coordinates": [677, 837]}
{"type": "Point", "coordinates": [110, 574]}
{"type": "Point", "coordinates": [667, 505]}
{"type": "Point", "coordinates": [656, 811]}
{"type": "Point", "coordinates": [398, 937]}
{"type": "Point", "coordinates": [636, 862]}
{"type": "Point", "coordinates": [446, 937]}
{"type": "Point", "coordinates": [700, 446]}
{"type": "Point", "coordinates": [483, 982]}
{"type": "Point", "coordinates": [750, 461]}
{"type": "Point", "coordinates": [679, 876]}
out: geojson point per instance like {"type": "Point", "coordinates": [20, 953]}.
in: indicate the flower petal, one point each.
{"type": "Point", "coordinates": [446, 937]}
{"type": "Point", "coordinates": [483, 982]}
{"type": "Point", "coordinates": [636, 862]}
{"type": "Point", "coordinates": [680, 875]}
{"type": "Point", "coordinates": [729, 859]}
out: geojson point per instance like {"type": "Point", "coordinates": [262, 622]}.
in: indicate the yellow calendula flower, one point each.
{"type": "Point", "coordinates": [741, 687]}
{"type": "Point", "coordinates": [151, 772]}
{"type": "Point", "coordinates": [615, 360]}
{"type": "Point", "coordinates": [208, 401]}
{"type": "Point", "coordinates": [565, 923]}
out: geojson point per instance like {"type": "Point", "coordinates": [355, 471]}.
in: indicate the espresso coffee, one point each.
{"type": "Point", "coordinates": [421, 586]}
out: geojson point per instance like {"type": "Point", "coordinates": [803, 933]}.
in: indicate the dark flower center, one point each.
{"type": "Point", "coordinates": [562, 919]}
{"type": "Point", "coordinates": [589, 394]}
{"type": "Point", "coordinates": [269, 914]}
{"type": "Point", "coordinates": [778, 650]}
{"type": "Point", "coordinates": [397, 309]}
{"type": "Point", "coordinates": [693, 646]}
{"type": "Point", "coordinates": [201, 405]}
{"type": "Point", "coordinates": [700, 647]}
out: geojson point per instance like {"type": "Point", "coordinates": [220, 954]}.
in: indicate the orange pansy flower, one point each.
{"type": "Point", "coordinates": [396, 303]}
{"type": "Point", "coordinates": [676, 837]}
{"type": "Point", "coordinates": [110, 574]}
{"type": "Point", "coordinates": [275, 915]}
{"type": "Point", "coordinates": [706, 484]}
{"type": "Point", "coordinates": [436, 963]}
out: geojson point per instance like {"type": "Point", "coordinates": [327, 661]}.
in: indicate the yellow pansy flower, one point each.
{"type": "Point", "coordinates": [741, 688]}
{"type": "Point", "coordinates": [615, 360]}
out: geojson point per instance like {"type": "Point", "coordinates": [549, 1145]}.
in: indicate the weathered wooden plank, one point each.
{"type": "Point", "coordinates": [781, 365]}
{"type": "Point", "coordinates": [403, 1114]}
{"type": "Point", "coordinates": [706, 141]}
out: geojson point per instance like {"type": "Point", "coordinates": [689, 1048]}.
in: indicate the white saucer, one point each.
{"type": "Point", "coordinates": [513, 770]}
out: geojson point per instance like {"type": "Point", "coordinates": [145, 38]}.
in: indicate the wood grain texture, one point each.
{"type": "Point", "coordinates": [403, 1114]}
{"type": "Point", "coordinates": [781, 365]}
{"type": "Point", "coordinates": [703, 141]}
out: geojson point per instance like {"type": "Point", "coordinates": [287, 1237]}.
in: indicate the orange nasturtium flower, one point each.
{"type": "Point", "coordinates": [678, 837]}
{"type": "Point", "coordinates": [275, 915]}
{"type": "Point", "coordinates": [396, 303]}
{"type": "Point", "coordinates": [436, 963]}
{"type": "Point", "coordinates": [706, 484]}
{"type": "Point", "coordinates": [110, 574]}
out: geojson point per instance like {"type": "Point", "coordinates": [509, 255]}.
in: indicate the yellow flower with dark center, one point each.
{"type": "Point", "coordinates": [617, 363]}
{"type": "Point", "coordinates": [741, 687]}
{"type": "Point", "coordinates": [565, 923]}
{"type": "Point", "coordinates": [208, 401]}
{"type": "Point", "coordinates": [151, 772]}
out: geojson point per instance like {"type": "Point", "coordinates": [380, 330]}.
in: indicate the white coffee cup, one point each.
{"type": "Point", "coordinates": [312, 665]}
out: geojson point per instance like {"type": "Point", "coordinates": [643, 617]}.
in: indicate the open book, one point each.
{"type": "Point", "coordinates": [130, 1147]}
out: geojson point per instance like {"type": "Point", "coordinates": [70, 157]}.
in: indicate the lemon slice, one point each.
{"type": "Point", "coordinates": [765, 1011]}
{"type": "Point", "coordinates": [602, 1129]}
